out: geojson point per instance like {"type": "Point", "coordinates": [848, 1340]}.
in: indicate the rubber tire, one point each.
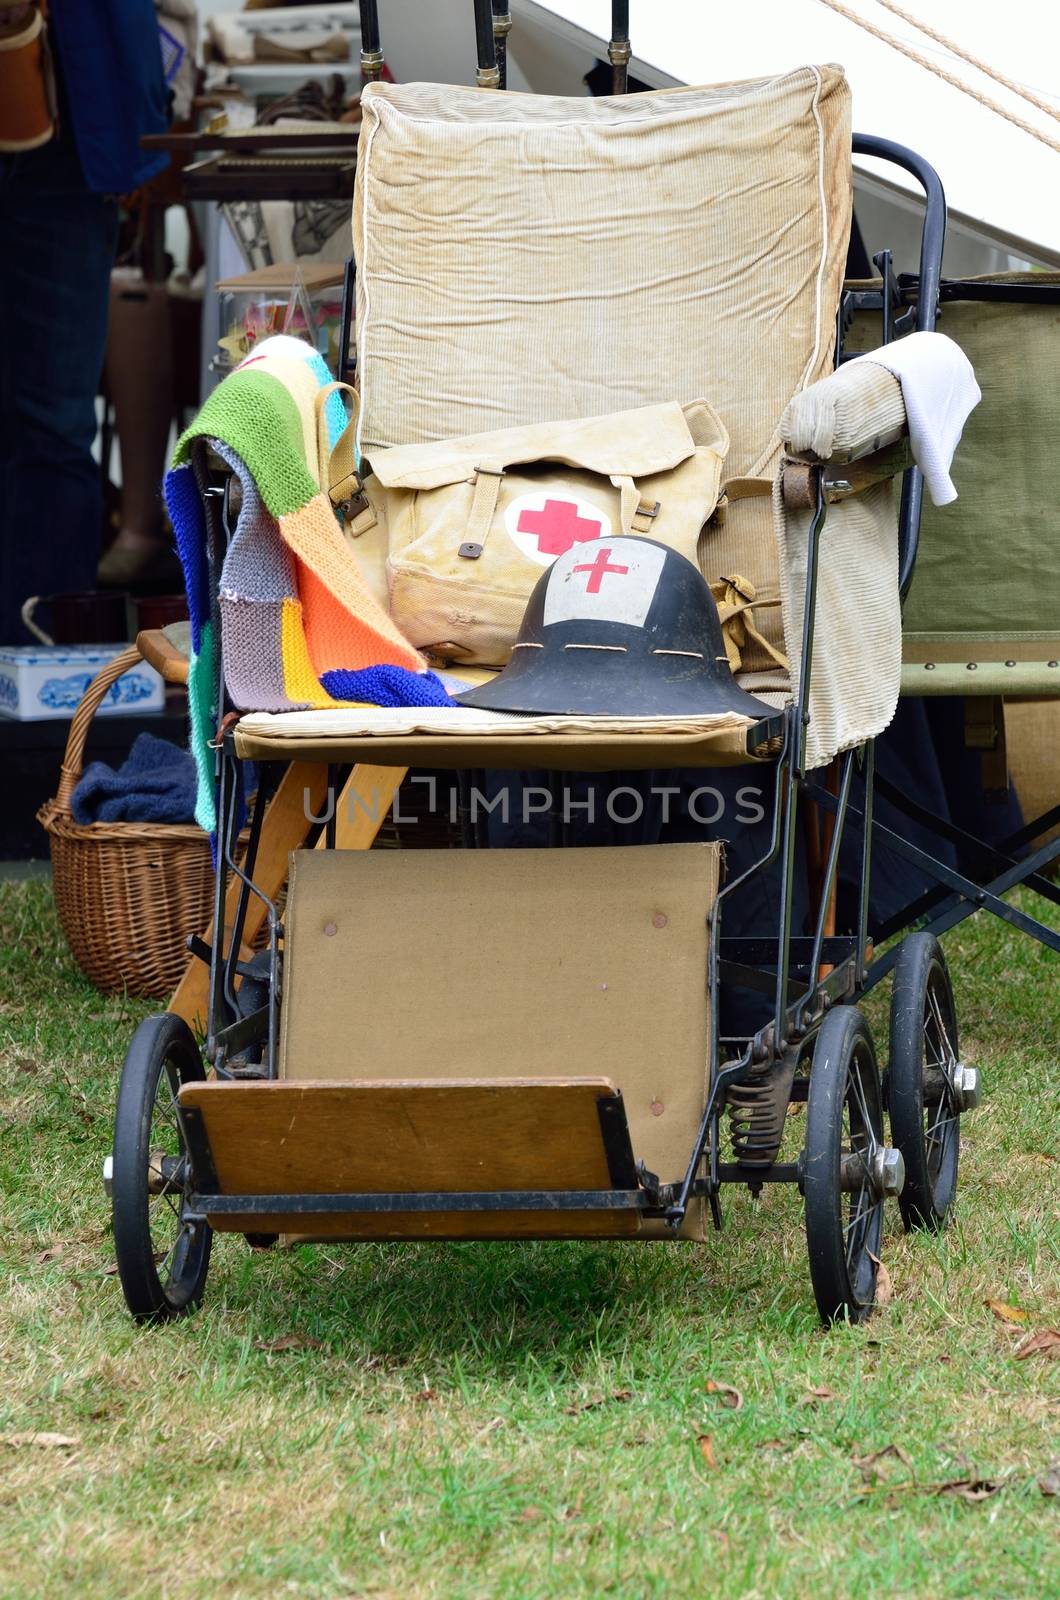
{"type": "Point", "coordinates": [923, 1203]}
{"type": "Point", "coordinates": [156, 1040]}
{"type": "Point", "coordinates": [843, 1035]}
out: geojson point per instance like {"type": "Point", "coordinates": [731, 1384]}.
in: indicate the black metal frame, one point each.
{"type": "Point", "coordinates": [786, 967]}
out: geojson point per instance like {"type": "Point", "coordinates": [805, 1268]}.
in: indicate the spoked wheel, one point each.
{"type": "Point", "coordinates": [163, 1257]}
{"type": "Point", "coordinates": [847, 1170]}
{"type": "Point", "coordinates": [926, 1087]}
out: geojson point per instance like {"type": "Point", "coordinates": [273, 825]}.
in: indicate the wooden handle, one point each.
{"type": "Point", "coordinates": [160, 652]}
{"type": "Point", "coordinates": [91, 700]}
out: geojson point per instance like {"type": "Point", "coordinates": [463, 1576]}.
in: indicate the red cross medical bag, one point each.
{"type": "Point", "coordinates": [470, 525]}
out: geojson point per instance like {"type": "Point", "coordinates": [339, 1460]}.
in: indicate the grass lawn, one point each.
{"type": "Point", "coordinates": [527, 1420]}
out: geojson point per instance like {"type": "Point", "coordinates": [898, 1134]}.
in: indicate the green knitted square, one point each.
{"type": "Point", "coordinates": [256, 415]}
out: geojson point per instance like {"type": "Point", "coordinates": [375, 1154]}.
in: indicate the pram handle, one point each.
{"type": "Point", "coordinates": [932, 240]}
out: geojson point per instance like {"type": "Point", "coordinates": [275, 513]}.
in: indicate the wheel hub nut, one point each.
{"type": "Point", "coordinates": [888, 1171]}
{"type": "Point", "coordinates": [966, 1086]}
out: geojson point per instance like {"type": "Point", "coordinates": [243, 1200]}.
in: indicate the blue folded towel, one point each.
{"type": "Point", "coordinates": [155, 783]}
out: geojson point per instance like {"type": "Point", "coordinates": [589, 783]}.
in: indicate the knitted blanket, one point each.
{"type": "Point", "coordinates": [300, 628]}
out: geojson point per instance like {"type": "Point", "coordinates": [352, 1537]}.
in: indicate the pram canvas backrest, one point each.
{"type": "Point", "coordinates": [525, 258]}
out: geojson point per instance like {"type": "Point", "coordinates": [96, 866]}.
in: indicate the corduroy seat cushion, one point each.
{"type": "Point", "coordinates": [523, 257]}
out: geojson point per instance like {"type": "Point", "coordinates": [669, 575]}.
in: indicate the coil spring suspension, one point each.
{"type": "Point", "coordinates": [757, 1110]}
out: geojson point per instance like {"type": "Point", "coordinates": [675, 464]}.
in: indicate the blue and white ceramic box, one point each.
{"type": "Point", "coordinates": [46, 681]}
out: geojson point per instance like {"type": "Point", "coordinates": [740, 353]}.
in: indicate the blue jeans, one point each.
{"type": "Point", "coordinates": [55, 264]}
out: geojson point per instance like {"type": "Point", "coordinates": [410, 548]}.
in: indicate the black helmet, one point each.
{"type": "Point", "coordinates": [619, 627]}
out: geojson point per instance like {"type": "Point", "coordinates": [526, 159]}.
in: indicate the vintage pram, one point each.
{"type": "Point", "coordinates": [469, 1044]}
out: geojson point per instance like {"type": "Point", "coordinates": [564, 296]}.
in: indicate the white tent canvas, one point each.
{"type": "Point", "coordinates": [1001, 184]}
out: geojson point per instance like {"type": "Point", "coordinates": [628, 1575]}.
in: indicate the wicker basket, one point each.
{"type": "Point", "coordinates": [128, 893]}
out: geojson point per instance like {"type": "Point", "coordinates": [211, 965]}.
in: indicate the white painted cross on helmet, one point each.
{"type": "Point", "coordinates": [605, 580]}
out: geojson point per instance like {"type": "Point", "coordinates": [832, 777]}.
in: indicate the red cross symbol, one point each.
{"type": "Point", "coordinates": [597, 571]}
{"type": "Point", "coordinates": [557, 527]}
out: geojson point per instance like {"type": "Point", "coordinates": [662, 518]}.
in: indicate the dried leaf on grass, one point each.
{"type": "Point", "coordinates": [870, 1466]}
{"type": "Point", "coordinates": [288, 1341]}
{"type": "Point", "coordinates": [884, 1286]}
{"type": "Point", "coordinates": [973, 1489]}
{"type": "Point", "coordinates": [1049, 1482]}
{"type": "Point", "coordinates": [619, 1396]}
{"type": "Point", "coordinates": [706, 1449]}
{"type": "Point", "coordinates": [727, 1395]}
{"type": "Point", "coordinates": [1044, 1343]}
{"type": "Point", "coordinates": [52, 1253]}
{"type": "Point", "coordinates": [814, 1396]}
{"type": "Point", "coordinates": [41, 1441]}
{"type": "Point", "coordinates": [1006, 1313]}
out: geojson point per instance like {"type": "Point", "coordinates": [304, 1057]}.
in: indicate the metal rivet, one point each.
{"type": "Point", "coordinates": [1053, 663]}
{"type": "Point", "coordinates": [1010, 663]}
{"type": "Point", "coordinates": [656, 1108]}
{"type": "Point", "coordinates": [659, 920]}
{"type": "Point", "coordinates": [330, 930]}
{"type": "Point", "coordinates": [973, 666]}
{"type": "Point", "coordinates": [929, 666]}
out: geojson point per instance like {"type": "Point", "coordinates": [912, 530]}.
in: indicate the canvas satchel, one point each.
{"type": "Point", "coordinates": [470, 524]}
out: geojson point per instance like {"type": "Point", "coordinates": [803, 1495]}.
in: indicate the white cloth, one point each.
{"type": "Point", "coordinates": [939, 390]}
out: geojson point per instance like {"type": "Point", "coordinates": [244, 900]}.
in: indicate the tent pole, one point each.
{"type": "Point", "coordinates": [618, 48]}
{"type": "Point", "coordinates": [371, 54]}
{"type": "Point", "coordinates": [502, 27]}
{"type": "Point", "coordinates": [487, 74]}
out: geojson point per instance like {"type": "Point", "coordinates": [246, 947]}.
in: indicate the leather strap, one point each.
{"type": "Point", "coordinates": [739, 489]}
{"type": "Point", "coordinates": [748, 489]}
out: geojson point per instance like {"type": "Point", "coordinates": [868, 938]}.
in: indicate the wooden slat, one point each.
{"type": "Point", "coordinates": [377, 1136]}
{"type": "Point", "coordinates": [441, 1225]}
{"type": "Point", "coordinates": [362, 805]}
{"type": "Point", "coordinates": [302, 788]}
{"type": "Point", "coordinates": [301, 791]}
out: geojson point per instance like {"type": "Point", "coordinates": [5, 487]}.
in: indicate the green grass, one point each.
{"type": "Point", "coordinates": [524, 1420]}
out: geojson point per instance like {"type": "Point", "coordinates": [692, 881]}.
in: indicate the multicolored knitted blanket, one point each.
{"type": "Point", "coordinates": [300, 628]}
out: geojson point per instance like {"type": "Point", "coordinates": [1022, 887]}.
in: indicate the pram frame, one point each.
{"type": "Point", "coordinates": [788, 968]}
{"type": "Point", "coordinates": [794, 1021]}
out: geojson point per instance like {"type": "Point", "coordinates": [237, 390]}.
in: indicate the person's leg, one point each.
{"type": "Point", "coordinates": [140, 385]}
{"type": "Point", "coordinates": [55, 269]}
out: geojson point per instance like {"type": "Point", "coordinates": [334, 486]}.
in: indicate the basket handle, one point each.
{"type": "Point", "coordinates": [91, 700]}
